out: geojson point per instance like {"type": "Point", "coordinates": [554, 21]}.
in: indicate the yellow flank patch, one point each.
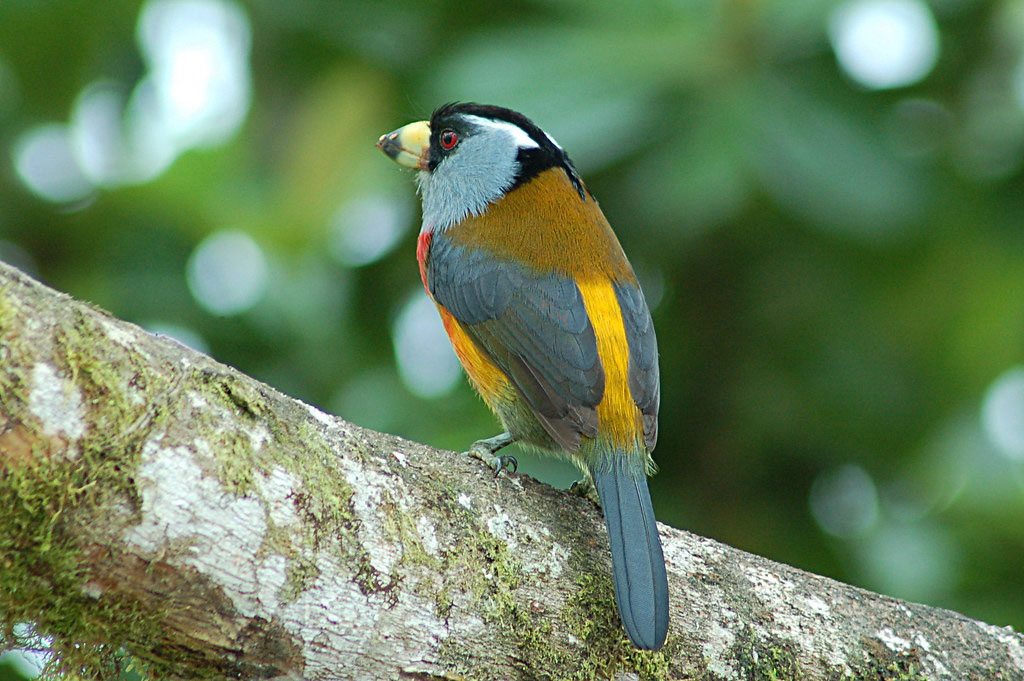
{"type": "Point", "coordinates": [618, 416]}
{"type": "Point", "coordinates": [484, 375]}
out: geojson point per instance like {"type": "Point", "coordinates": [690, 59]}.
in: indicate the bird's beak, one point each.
{"type": "Point", "coordinates": [408, 146]}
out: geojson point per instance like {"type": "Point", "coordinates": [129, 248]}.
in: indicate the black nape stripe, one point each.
{"type": "Point", "coordinates": [532, 162]}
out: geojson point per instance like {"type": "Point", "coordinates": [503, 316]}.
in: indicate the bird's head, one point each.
{"type": "Point", "coordinates": [471, 155]}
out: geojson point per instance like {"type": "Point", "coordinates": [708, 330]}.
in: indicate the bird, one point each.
{"type": "Point", "coordinates": [548, 320]}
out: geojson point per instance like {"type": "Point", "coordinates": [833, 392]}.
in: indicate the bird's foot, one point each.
{"type": "Point", "coordinates": [585, 488]}
{"type": "Point", "coordinates": [485, 450]}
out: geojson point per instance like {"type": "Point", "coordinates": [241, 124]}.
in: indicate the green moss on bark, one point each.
{"type": "Point", "coordinates": [48, 487]}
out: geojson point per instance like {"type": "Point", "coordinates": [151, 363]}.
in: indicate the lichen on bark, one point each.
{"type": "Point", "coordinates": [164, 508]}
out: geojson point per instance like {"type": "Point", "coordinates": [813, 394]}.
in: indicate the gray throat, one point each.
{"type": "Point", "coordinates": [463, 184]}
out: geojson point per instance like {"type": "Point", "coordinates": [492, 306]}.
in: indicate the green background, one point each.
{"type": "Point", "coordinates": [836, 272]}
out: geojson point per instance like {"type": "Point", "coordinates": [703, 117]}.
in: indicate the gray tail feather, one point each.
{"type": "Point", "coordinates": [638, 565]}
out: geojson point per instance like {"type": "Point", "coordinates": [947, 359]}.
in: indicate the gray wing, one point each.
{"type": "Point", "coordinates": [644, 381]}
{"type": "Point", "coordinates": [534, 327]}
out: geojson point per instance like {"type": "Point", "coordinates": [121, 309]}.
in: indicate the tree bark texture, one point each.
{"type": "Point", "coordinates": [162, 507]}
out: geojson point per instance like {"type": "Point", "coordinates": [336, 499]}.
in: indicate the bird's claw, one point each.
{"type": "Point", "coordinates": [498, 462]}
{"type": "Point", "coordinates": [503, 462]}
{"type": "Point", "coordinates": [585, 488]}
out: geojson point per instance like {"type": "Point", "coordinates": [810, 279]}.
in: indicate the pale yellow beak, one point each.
{"type": "Point", "coordinates": [408, 146]}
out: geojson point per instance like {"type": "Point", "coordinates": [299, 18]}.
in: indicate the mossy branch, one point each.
{"type": "Point", "coordinates": [162, 508]}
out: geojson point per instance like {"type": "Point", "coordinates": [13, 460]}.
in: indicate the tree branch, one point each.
{"type": "Point", "coordinates": [160, 503]}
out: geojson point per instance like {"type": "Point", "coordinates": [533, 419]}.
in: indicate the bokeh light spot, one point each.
{"type": "Point", "coordinates": [227, 273]}
{"type": "Point", "coordinates": [1002, 414]}
{"type": "Point", "coordinates": [885, 43]}
{"type": "Point", "coordinates": [96, 133]}
{"type": "Point", "coordinates": [365, 229]}
{"type": "Point", "coordinates": [198, 52]}
{"type": "Point", "coordinates": [652, 282]}
{"type": "Point", "coordinates": [196, 92]}
{"type": "Point", "coordinates": [151, 147]}
{"type": "Point", "coordinates": [915, 561]}
{"type": "Point", "coordinates": [46, 163]}
{"type": "Point", "coordinates": [844, 501]}
{"type": "Point", "coordinates": [1018, 83]}
{"type": "Point", "coordinates": [370, 399]}
{"type": "Point", "coordinates": [425, 358]}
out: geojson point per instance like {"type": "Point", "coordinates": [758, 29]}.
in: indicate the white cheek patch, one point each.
{"type": "Point", "coordinates": [518, 135]}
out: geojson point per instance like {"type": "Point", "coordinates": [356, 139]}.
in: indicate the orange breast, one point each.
{"type": "Point", "coordinates": [545, 223]}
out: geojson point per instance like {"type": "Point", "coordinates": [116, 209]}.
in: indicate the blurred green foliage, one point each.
{"type": "Point", "coordinates": [838, 272]}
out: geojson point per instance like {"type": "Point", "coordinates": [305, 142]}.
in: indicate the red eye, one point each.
{"type": "Point", "coordinates": [448, 139]}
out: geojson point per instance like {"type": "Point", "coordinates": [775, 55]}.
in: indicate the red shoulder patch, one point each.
{"type": "Point", "coordinates": [422, 248]}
